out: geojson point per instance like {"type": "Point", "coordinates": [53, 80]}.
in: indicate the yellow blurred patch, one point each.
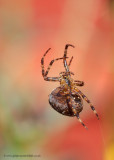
{"type": "Point", "coordinates": [109, 154]}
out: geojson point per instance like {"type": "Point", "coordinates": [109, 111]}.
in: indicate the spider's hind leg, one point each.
{"type": "Point", "coordinates": [73, 111]}
{"type": "Point", "coordinates": [77, 115]}
{"type": "Point", "coordinates": [88, 101]}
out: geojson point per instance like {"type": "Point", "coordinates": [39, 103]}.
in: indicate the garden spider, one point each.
{"type": "Point", "coordinates": [67, 98]}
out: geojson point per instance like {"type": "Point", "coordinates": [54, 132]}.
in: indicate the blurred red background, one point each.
{"type": "Point", "coordinates": [28, 124]}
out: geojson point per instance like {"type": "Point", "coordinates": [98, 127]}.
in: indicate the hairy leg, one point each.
{"type": "Point", "coordinates": [70, 61]}
{"type": "Point", "coordinates": [42, 62]}
{"type": "Point", "coordinates": [79, 83]}
{"type": "Point", "coordinates": [65, 55]}
{"type": "Point", "coordinates": [88, 101]}
{"type": "Point", "coordinates": [73, 110]}
{"type": "Point", "coordinates": [45, 73]}
{"type": "Point", "coordinates": [55, 79]}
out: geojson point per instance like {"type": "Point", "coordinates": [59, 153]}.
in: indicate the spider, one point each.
{"type": "Point", "coordinates": [66, 99]}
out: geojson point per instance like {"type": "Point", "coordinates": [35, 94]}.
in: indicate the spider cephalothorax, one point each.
{"type": "Point", "coordinates": [67, 98]}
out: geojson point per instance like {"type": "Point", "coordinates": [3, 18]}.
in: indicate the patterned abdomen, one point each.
{"type": "Point", "coordinates": [57, 100]}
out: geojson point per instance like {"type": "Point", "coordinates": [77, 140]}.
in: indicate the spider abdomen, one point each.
{"type": "Point", "coordinates": [57, 100]}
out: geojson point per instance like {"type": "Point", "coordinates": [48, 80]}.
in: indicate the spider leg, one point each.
{"type": "Point", "coordinates": [65, 55]}
{"type": "Point", "coordinates": [70, 61]}
{"type": "Point", "coordinates": [88, 101]}
{"type": "Point", "coordinates": [42, 62]}
{"type": "Point", "coordinates": [44, 73]}
{"type": "Point", "coordinates": [51, 64]}
{"type": "Point", "coordinates": [77, 115]}
{"type": "Point", "coordinates": [79, 83]}
{"type": "Point", "coordinates": [73, 110]}
{"type": "Point", "coordinates": [69, 103]}
{"type": "Point", "coordinates": [51, 79]}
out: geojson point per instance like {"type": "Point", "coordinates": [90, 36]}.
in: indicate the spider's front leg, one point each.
{"type": "Point", "coordinates": [70, 61]}
{"type": "Point", "coordinates": [64, 57]}
{"type": "Point", "coordinates": [88, 101]}
{"type": "Point", "coordinates": [45, 73]}
{"type": "Point", "coordinates": [79, 83]}
{"type": "Point", "coordinates": [72, 108]}
{"type": "Point", "coordinates": [42, 62]}
{"type": "Point", "coordinates": [55, 79]}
